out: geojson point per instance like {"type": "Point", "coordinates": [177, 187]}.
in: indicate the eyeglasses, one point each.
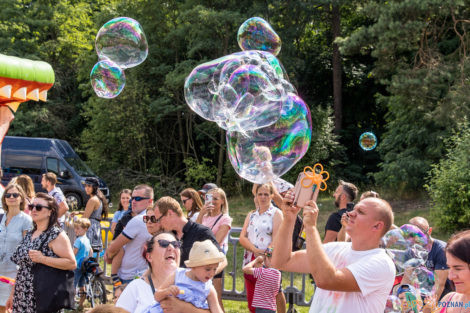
{"type": "Point", "coordinates": [38, 207]}
{"type": "Point", "coordinates": [139, 199]}
{"type": "Point", "coordinates": [184, 201]}
{"type": "Point", "coordinates": [165, 243]}
{"type": "Point", "coordinates": [14, 195]}
{"type": "Point", "coordinates": [151, 219]}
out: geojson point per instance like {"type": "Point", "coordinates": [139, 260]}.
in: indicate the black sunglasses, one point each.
{"type": "Point", "coordinates": [152, 219]}
{"type": "Point", "coordinates": [184, 201]}
{"type": "Point", "coordinates": [38, 207]}
{"type": "Point", "coordinates": [138, 199]}
{"type": "Point", "coordinates": [165, 243]}
{"type": "Point", "coordinates": [14, 195]}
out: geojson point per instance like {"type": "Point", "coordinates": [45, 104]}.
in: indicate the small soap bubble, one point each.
{"type": "Point", "coordinates": [368, 141]}
{"type": "Point", "coordinates": [122, 40]}
{"type": "Point", "coordinates": [256, 34]}
{"type": "Point", "coordinates": [107, 79]}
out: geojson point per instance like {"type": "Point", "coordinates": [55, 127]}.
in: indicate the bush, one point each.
{"type": "Point", "coordinates": [449, 184]}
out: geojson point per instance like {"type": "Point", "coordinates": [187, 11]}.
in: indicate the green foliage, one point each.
{"type": "Point", "coordinates": [419, 46]}
{"type": "Point", "coordinates": [449, 183]}
{"type": "Point", "coordinates": [199, 173]}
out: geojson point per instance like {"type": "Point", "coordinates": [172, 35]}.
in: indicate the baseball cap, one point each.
{"type": "Point", "coordinates": [207, 187]}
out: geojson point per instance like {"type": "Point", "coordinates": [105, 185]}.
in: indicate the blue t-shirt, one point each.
{"type": "Point", "coordinates": [83, 245]}
{"type": "Point", "coordinates": [117, 216]}
{"type": "Point", "coordinates": [437, 261]}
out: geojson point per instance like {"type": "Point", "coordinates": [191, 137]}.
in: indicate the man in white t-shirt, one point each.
{"type": "Point", "coordinates": [352, 277]}
{"type": "Point", "coordinates": [133, 237]}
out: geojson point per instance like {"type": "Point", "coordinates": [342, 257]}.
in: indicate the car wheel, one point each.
{"type": "Point", "coordinates": [74, 201]}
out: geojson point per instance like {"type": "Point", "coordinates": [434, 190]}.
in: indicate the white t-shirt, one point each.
{"type": "Point", "coordinates": [374, 272]}
{"type": "Point", "coordinates": [136, 297]}
{"type": "Point", "coordinates": [133, 263]}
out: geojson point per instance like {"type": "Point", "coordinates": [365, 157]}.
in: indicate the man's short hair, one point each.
{"type": "Point", "coordinates": [148, 190]}
{"type": "Point", "coordinates": [421, 223]}
{"type": "Point", "coordinates": [349, 189]}
{"type": "Point", "coordinates": [50, 177]}
{"type": "Point", "coordinates": [165, 204]}
{"type": "Point", "coordinates": [384, 213]}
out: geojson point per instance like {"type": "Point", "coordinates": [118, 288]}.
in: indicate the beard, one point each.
{"type": "Point", "coordinates": [337, 203]}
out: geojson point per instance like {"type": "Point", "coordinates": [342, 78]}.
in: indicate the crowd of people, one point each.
{"type": "Point", "coordinates": [169, 256]}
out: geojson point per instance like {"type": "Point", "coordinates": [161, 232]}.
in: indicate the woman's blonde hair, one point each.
{"type": "Point", "coordinates": [221, 193]}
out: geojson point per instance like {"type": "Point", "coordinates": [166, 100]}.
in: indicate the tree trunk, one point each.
{"type": "Point", "coordinates": [337, 71]}
{"type": "Point", "coordinates": [220, 165]}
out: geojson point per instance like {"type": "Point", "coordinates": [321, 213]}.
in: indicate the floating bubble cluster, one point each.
{"type": "Point", "coordinates": [256, 34]}
{"type": "Point", "coordinates": [393, 304]}
{"type": "Point", "coordinates": [423, 280]}
{"type": "Point", "coordinates": [368, 141]}
{"type": "Point", "coordinates": [241, 92]}
{"type": "Point", "coordinates": [406, 246]}
{"type": "Point", "coordinates": [107, 79]}
{"type": "Point", "coordinates": [122, 40]}
{"type": "Point", "coordinates": [248, 94]}
{"type": "Point", "coordinates": [120, 44]}
{"type": "Point", "coordinates": [260, 156]}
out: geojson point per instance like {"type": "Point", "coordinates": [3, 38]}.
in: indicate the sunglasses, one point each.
{"type": "Point", "coordinates": [38, 207]}
{"type": "Point", "coordinates": [165, 243]}
{"type": "Point", "coordinates": [138, 199]}
{"type": "Point", "coordinates": [151, 219]}
{"type": "Point", "coordinates": [184, 201]}
{"type": "Point", "coordinates": [14, 195]}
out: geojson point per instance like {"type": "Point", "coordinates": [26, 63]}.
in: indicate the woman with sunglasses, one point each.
{"type": "Point", "coordinates": [96, 209]}
{"type": "Point", "coordinates": [14, 225]}
{"type": "Point", "coordinates": [192, 203]}
{"type": "Point", "coordinates": [56, 251]}
{"type": "Point", "coordinates": [163, 257]}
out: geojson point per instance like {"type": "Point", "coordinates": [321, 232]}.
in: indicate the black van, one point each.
{"type": "Point", "coordinates": [36, 156]}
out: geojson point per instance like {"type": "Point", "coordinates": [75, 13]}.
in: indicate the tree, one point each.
{"type": "Point", "coordinates": [420, 50]}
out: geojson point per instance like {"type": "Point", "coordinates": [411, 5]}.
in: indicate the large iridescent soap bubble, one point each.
{"type": "Point", "coordinates": [406, 246]}
{"type": "Point", "coordinates": [241, 92]}
{"type": "Point", "coordinates": [107, 79]}
{"type": "Point", "coordinates": [267, 153]}
{"type": "Point", "coordinates": [122, 40]}
{"type": "Point", "coordinates": [256, 34]}
{"type": "Point", "coordinates": [368, 141]}
{"type": "Point", "coordinates": [423, 280]}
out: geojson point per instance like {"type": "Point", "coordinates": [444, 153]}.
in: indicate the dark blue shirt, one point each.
{"type": "Point", "coordinates": [437, 261]}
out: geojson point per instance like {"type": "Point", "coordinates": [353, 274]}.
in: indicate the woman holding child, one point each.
{"type": "Point", "coordinates": [258, 232]}
{"type": "Point", "coordinates": [163, 257]}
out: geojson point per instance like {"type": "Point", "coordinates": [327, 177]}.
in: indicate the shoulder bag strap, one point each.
{"type": "Point", "coordinates": [220, 216]}
{"type": "Point", "coordinates": [149, 276]}
{"type": "Point", "coordinates": [1, 217]}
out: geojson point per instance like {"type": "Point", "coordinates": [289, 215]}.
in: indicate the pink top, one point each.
{"type": "Point", "coordinates": [224, 220]}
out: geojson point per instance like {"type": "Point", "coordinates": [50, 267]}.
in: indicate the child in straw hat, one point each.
{"type": "Point", "coordinates": [194, 283]}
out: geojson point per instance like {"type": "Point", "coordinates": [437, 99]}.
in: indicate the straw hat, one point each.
{"type": "Point", "coordinates": [204, 253]}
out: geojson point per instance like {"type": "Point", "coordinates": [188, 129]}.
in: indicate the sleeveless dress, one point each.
{"type": "Point", "coordinates": [23, 299]}
{"type": "Point", "coordinates": [94, 232]}
{"type": "Point", "coordinates": [195, 292]}
{"type": "Point", "coordinates": [10, 237]}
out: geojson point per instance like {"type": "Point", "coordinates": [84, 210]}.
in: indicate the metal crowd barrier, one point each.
{"type": "Point", "coordinates": [294, 296]}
